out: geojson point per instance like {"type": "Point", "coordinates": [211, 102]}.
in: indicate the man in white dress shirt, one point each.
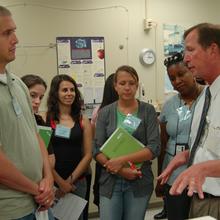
{"type": "Point", "coordinates": [202, 56]}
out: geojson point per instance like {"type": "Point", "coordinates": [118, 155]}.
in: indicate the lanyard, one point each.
{"type": "Point", "coordinates": [52, 124]}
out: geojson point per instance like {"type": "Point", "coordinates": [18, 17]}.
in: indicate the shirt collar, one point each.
{"type": "Point", "coordinates": [3, 78]}
{"type": "Point", "coordinates": [215, 87]}
{"type": "Point", "coordinates": [9, 77]}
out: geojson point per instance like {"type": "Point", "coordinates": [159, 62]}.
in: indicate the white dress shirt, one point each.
{"type": "Point", "coordinates": [209, 147]}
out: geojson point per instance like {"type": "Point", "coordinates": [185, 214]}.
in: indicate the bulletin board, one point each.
{"type": "Point", "coordinates": [173, 43]}
{"type": "Point", "coordinates": [83, 58]}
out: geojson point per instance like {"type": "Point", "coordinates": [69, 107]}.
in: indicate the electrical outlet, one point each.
{"type": "Point", "coordinates": [148, 24]}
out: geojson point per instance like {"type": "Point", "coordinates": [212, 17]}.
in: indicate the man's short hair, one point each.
{"type": "Point", "coordinates": [207, 34]}
{"type": "Point", "coordinates": [4, 11]}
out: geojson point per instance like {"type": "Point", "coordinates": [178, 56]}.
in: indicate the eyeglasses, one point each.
{"type": "Point", "coordinates": [176, 58]}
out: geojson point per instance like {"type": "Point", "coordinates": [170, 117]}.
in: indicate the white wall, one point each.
{"type": "Point", "coordinates": [39, 22]}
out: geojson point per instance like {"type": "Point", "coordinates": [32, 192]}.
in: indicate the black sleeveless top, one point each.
{"type": "Point", "coordinates": [68, 152]}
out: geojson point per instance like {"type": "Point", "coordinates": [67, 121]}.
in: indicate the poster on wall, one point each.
{"type": "Point", "coordinates": [173, 43]}
{"type": "Point", "coordinates": [83, 58]}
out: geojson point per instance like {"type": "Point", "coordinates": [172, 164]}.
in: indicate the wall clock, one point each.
{"type": "Point", "coordinates": [147, 56]}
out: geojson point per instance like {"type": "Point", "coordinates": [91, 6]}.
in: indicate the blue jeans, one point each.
{"type": "Point", "coordinates": [81, 188]}
{"type": "Point", "coordinates": [123, 205]}
{"type": "Point", "coordinates": [31, 216]}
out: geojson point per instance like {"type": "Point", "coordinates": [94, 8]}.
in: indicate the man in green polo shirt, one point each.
{"type": "Point", "coordinates": [25, 177]}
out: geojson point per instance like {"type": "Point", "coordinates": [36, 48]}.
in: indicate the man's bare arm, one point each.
{"type": "Point", "coordinates": [45, 187]}
{"type": "Point", "coordinates": [12, 178]}
{"type": "Point", "coordinates": [194, 177]}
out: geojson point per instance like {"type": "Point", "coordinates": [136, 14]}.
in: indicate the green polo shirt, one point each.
{"type": "Point", "coordinates": [19, 143]}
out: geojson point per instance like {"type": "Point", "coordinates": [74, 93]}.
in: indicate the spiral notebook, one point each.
{"type": "Point", "coordinates": [121, 143]}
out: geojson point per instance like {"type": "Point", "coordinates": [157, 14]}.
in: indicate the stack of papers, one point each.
{"type": "Point", "coordinates": [69, 207]}
{"type": "Point", "coordinates": [203, 218]}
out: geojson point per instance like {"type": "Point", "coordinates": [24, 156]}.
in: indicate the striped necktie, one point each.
{"type": "Point", "coordinates": [201, 128]}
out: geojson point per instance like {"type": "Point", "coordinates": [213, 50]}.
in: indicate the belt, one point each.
{"type": "Point", "coordinates": [209, 196]}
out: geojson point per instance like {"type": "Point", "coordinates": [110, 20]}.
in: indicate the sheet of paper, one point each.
{"type": "Point", "coordinates": [41, 215]}
{"type": "Point", "coordinates": [203, 218]}
{"type": "Point", "coordinates": [69, 207]}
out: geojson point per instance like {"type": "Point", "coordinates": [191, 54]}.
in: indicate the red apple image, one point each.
{"type": "Point", "coordinates": [101, 53]}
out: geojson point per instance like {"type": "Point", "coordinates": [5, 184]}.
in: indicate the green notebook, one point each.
{"type": "Point", "coordinates": [45, 133]}
{"type": "Point", "coordinates": [121, 143]}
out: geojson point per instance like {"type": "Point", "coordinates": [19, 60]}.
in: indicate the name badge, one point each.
{"type": "Point", "coordinates": [181, 147]}
{"type": "Point", "coordinates": [62, 131]}
{"type": "Point", "coordinates": [16, 107]}
{"type": "Point", "coordinates": [43, 215]}
{"type": "Point", "coordinates": [131, 123]}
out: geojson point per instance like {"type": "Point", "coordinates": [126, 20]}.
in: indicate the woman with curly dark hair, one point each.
{"type": "Point", "coordinates": [71, 141]}
{"type": "Point", "coordinates": [175, 123]}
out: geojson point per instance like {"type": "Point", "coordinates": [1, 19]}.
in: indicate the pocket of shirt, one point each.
{"type": "Point", "coordinates": [213, 139]}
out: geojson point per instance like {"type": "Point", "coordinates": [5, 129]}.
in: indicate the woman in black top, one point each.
{"type": "Point", "coordinates": [71, 141]}
{"type": "Point", "coordinates": [37, 88]}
